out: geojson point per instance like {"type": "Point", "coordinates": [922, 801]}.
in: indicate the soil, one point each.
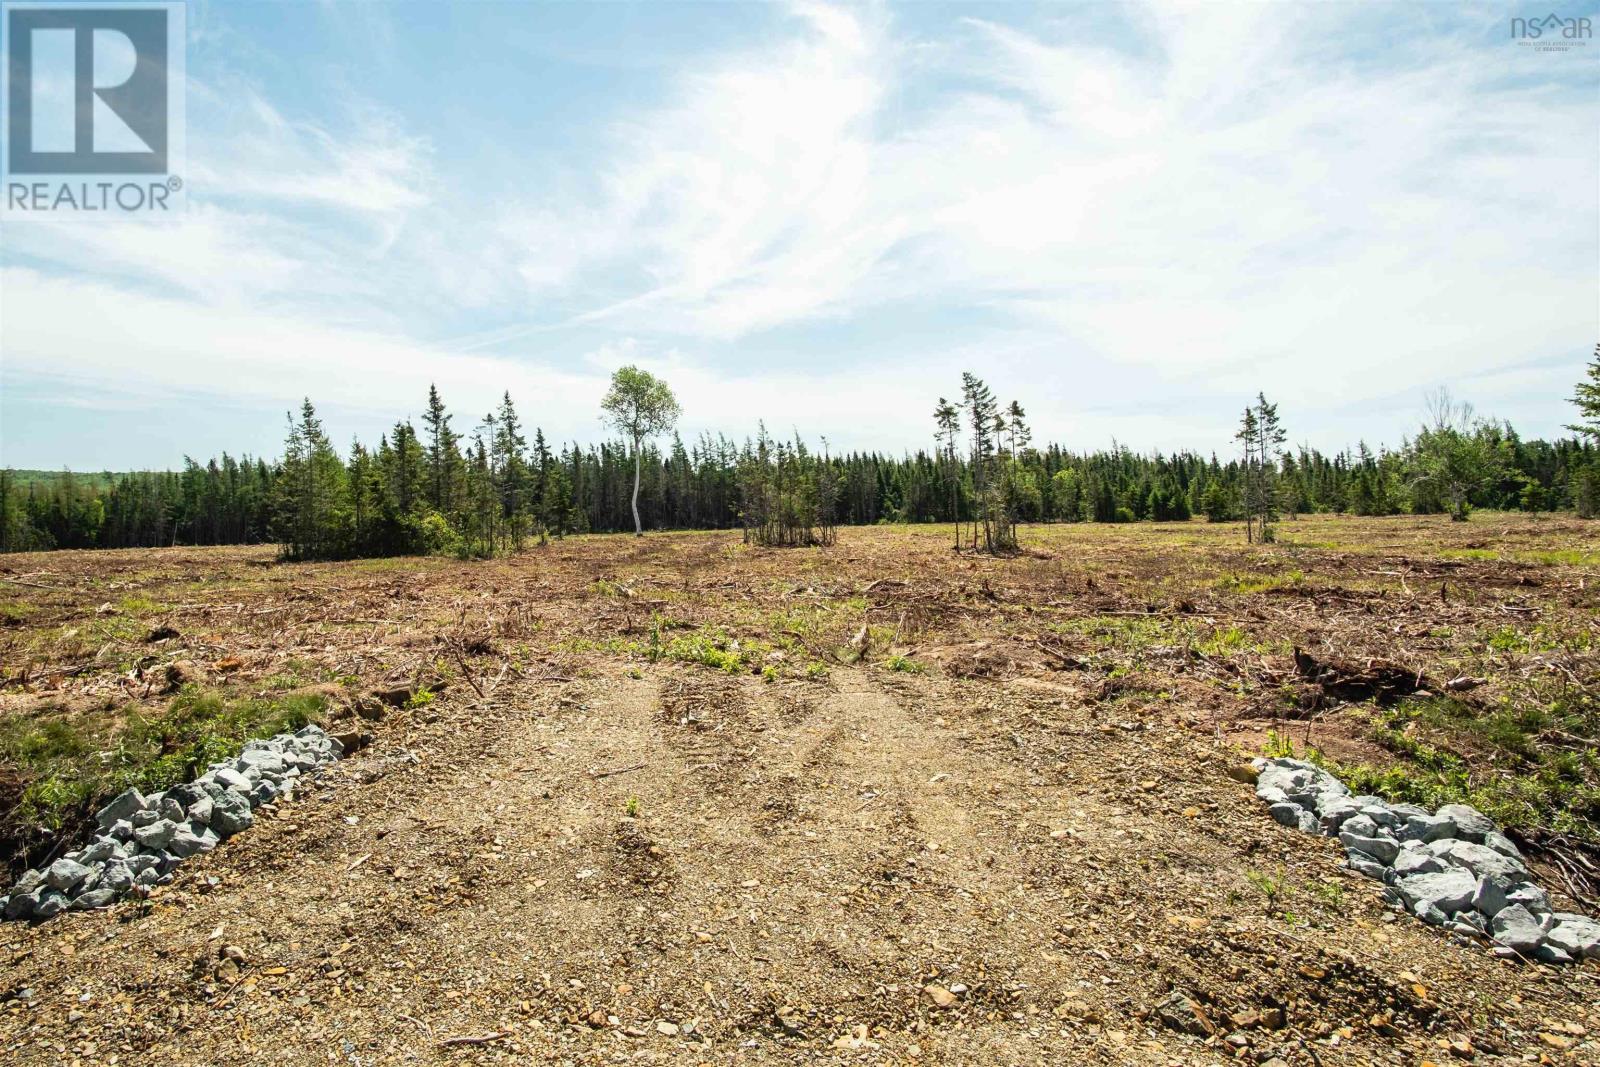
{"type": "Point", "coordinates": [966, 837]}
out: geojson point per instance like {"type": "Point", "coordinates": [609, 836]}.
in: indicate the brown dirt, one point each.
{"type": "Point", "coordinates": [609, 859]}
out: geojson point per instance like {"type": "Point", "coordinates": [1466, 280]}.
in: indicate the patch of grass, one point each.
{"type": "Point", "coordinates": [904, 665]}
{"type": "Point", "coordinates": [71, 767]}
{"type": "Point", "coordinates": [16, 612]}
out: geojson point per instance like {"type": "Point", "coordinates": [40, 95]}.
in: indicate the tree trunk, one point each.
{"type": "Point", "coordinates": [638, 461]}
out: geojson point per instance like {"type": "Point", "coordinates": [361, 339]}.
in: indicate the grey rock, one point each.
{"type": "Point", "coordinates": [1411, 861]}
{"type": "Point", "coordinates": [1449, 891]}
{"type": "Point", "coordinates": [1384, 849]}
{"type": "Point", "coordinates": [170, 809]}
{"type": "Point", "coordinates": [231, 814]}
{"type": "Point", "coordinates": [1335, 812]}
{"type": "Point", "coordinates": [156, 835]}
{"type": "Point", "coordinates": [1490, 896]}
{"type": "Point", "coordinates": [1502, 844]}
{"type": "Point", "coordinates": [123, 806]}
{"type": "Point", "coordinates": [122, 830]}
{"type": "Point", "coordinates": [99, 850]}
{"type": "Point", "coordinates": [1380, 814]}
{"type": "Point", "coordinates": [22, 905]}
{"type": "Point", "coordinates": [1180, 1012]}
{"type": "Point", "coordinates": [1515, 928]}
{"type": "Point", "coordinates": [144, 818]}
{"type": "Point", "coordinates": [95, 898]}
{"type": "Point", "coordinates": [148, 876]}
{"type": "Point", "coordinates": [117, 877]}
{"type": "Point", "coordinates": [29, 881]}
{"type": "Point", "coordinates": [261, 760]}
{"type": "Point", "coordinates": [200, 810]}
{"type": "Point", "coordinates": [1548, 953]}
{"type": "Point", "coordinates": [232, 780]}
{"type": "Point", "coordinates": [51, 902]}
{"type": "Point", "coordinates": [1479, 859]}
{"type": "Point", "coordinates": [1536, 900]}
{"type": "Point", "coordinates": [1407, 811]}
{"type": "Point", "coordinates": [1471, 824]}
{"type": "Point", "coordinates": [1428, 913]}
{"type": "Point", "coordinates": [1359, 825]}
{"type": "Point", "coordinates": [1576, 935]}
{"type": "Point", "coordinates": [264, 793]}
{"type": "Point", "coordinates": [64, 874]}
{"type": "Point", "coordinates": [185, 843]}
{"type": "Point", "coordinates": [1365, 864]}
{"type": "Point", "coordinates": [1427, 828]}
{"type": "Point", "coordinates": [142, 862]}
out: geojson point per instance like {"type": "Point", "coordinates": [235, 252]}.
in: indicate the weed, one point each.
{"type": "Point", "coordinates": [904, 665]}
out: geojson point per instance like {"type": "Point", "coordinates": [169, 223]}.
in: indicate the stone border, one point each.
{"type": "Point", "coordinates": [1451, 868]}
{"type": "Point", "coordinates": [143, 839]}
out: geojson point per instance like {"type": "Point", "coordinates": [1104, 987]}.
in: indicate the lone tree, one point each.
{"type": "Point", "coordinates": [639, 405]}
{"type": "Point", "coordinates": [1261, 437]}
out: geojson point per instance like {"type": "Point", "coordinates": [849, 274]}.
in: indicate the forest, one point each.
{"type": "Point", "coordinates": [436, 489]}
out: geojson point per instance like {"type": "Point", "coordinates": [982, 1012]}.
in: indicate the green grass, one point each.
{"type": "Point", "coordinates": [1501, 759]}
{"type": "Point", "coordinates": [904, 665]}
{"type": "Point", "coordinates": [71, 767]}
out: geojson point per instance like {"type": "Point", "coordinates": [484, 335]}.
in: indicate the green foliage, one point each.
{"type": "Point", "coordinates": [904, 665]}
{"type": "Point", "coordinates": [70, 766]}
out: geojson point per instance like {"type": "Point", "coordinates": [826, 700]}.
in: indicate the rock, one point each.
{"type": "Point", "coordinates": [21, 905]}
{"type": "Point", "coordinates": [122, 807]}
{"type": "Point", "coordinates": [1545, 952]}
{"type": "Point", "coordinates": [1360, 825]}
{"type": "Point", "coordinates": [1471, 824]}
{"type": "Point", "coordinates": [1362, 863]}
{"type": "Point", "coordinates": [1383, 849]}
{"type": "Point", "coordinates": [230, 814]}
{"type": "Point", "coordinates": [1427, 828]}
{"type": "Point", "coordinates": [1479, 859]}
{"type": "Point", "coordinates": [232, 780]}
{"type": "Point", "coordinates": [1336, 812]}
{"type": "Point", "coordinates": [1515, 928]}
{"type": "Point", "coordinates": [170, 809]}
{"type": "Point", "coordinates": [157, 835]}
{"type": "Point", "coordinates": [63, 874]}
{"type": "Point", "coordinates": [94, 898]}
{"type": "Point", "coordinates": [1429, 913]}
{"type": "Point", "coordinates": [100, 850]}
{"type": "Point", "coordinates": [185, 843]}
{"type": "Point", "coordinates": [1180, 1012]}
{"type": "Point", "coordinates": [51, 902]}
{"type": "Point", "coordinates": [117, 877]}
{"type": "Point", "coordinates": [122, 830]}
{"type": "Point", "coordinates": [1490, 896]}
{"type": "Point", "coordinates": [1536, 900]}
{"type": "Point", "coordinates": [1502, 844]}
{"type": "Point", "coordinates": [1449, 891]}
{"type": "Point", "coordinates": [144, 818]}
{"type": "Point", "coordinates": [1412, 860]}
{"type": "Point", "coordinates": [1576, 935]}
{"type": "Point", "coordinates": [939, 996]}
{"type": "Point", "coordinates": [200, 811]}
{"type": "Point", "coordinates": [265, 761]}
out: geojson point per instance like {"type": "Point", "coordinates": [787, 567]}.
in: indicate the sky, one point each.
{"type": "Point", "coordinates": [1130, 218]}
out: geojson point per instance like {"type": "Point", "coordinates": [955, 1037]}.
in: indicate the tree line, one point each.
{"type": "Point", "coordinates": [434, 488]}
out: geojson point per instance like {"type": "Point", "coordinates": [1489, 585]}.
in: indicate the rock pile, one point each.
{"type": "Point", "coordinates": [142, 839]}
{"type": "Point", "coordinates": [1451, 868]}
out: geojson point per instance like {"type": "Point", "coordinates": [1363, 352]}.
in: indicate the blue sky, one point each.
{"type": "Point", "coordinates": [1130, 217]}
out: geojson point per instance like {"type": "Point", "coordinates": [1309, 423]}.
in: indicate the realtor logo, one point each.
{"type": "Point", "coordinates": [92, 90]}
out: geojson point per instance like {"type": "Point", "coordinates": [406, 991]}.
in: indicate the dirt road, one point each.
{"type": "Point", "coordinates": [695, 867]}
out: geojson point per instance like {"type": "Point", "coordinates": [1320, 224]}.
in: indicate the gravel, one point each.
{"type": "Point", "coordinates": [1451, 868]}
{"type": "Point", "coordinates": [142, 839]}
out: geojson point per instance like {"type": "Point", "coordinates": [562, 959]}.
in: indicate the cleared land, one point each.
{"type": "Point", "coordinates": [692, 802]}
